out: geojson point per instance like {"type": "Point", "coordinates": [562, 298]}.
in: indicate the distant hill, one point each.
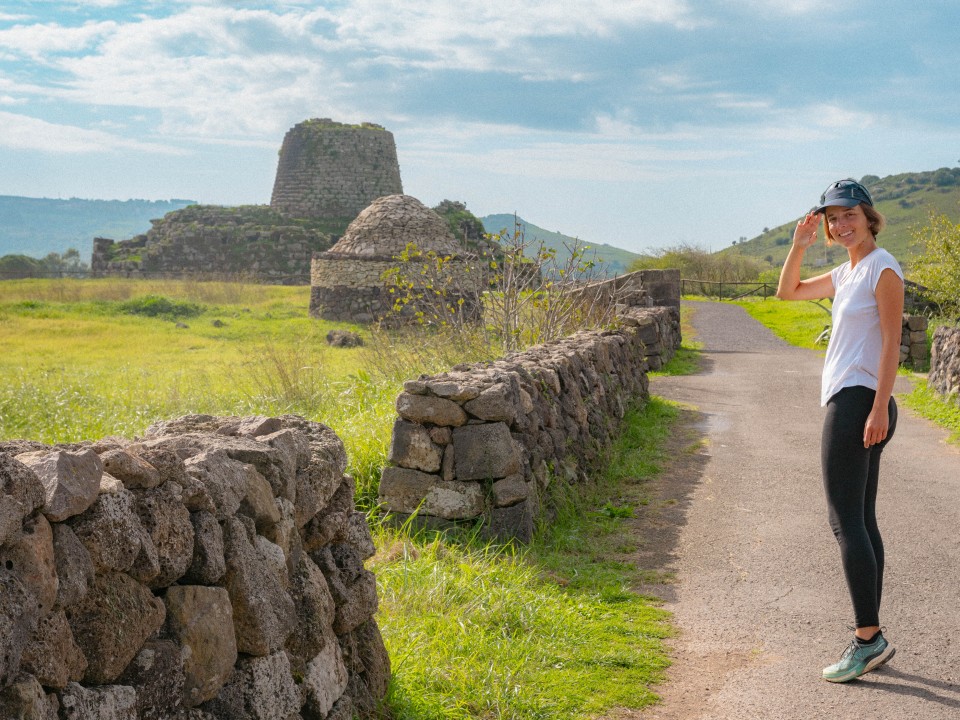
{"type": "Point", "coordinates": [38, 226]}
{"type": "Point", "coordinates": [614, 260]}
{"type": "Point", "coordinates": [906, 200]}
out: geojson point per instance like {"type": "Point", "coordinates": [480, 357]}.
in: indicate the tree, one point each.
{"type": "Point", "coordinates": [938, 266]}
{"type": "Point", "coordinates": [464, 225]}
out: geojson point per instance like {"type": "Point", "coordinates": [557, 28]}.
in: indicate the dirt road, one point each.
{"type": "Point", "coordinates": [759, 596]}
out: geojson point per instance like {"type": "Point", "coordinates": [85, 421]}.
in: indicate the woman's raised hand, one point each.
{"type": "Point", "coordinates": [806, 233]}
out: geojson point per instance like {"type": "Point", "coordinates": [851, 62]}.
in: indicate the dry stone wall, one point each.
{"type": "Point", "coordinates": [913, 341]}
{"type": "Point", "coordinates": [944, 376]}
{"type": "Point", "coordinates": [213, 569]}
{"type": "Point", "coordinates": [485, 441]}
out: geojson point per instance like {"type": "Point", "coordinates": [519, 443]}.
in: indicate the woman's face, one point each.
{"type": "Point", "coordinates": [848, 226]}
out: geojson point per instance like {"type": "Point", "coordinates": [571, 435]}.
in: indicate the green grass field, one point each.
{"type": "Point", "coordinates": [554, 630]}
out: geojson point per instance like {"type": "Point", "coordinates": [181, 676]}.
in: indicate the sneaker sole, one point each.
{"type": "Point", "coordinates": [880, 659]}
{"type": "Point", "coordinates": [876, 662]}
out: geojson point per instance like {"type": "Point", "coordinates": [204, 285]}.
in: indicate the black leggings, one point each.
{"type": "Point", "coordinates": [850, 478]}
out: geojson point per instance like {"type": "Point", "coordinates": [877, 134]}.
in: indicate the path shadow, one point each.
{"type": "Point", "coordinates": [912, 686]}
{"type": "Point", "coordinates": [664, 504]}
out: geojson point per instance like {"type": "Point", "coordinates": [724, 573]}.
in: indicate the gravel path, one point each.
{"type": "Point", "coordinates": [759, 596]}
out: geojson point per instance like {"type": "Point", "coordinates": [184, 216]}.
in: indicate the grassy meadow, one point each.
{"type": "Point", "coordinates": [474, 630]}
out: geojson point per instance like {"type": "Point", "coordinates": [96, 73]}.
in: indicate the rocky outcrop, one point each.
{"type": "Point", "coordinates": [213, 568]}
{"type": "Point", "coordinates": [484, 441]}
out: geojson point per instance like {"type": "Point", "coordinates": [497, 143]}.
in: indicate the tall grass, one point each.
{"type": "Point", "coordinates": [554, 630]}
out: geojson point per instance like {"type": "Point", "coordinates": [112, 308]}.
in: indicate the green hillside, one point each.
{"type": "Point", "coordinates": [613, 261]}
{"type": "Point", "coordinates": [906, 201]}
{"type": "Point", "coordinates": [38, 226]}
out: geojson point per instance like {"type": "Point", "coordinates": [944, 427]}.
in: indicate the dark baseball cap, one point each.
{"type": "Point", "coordinates": [845, 193]}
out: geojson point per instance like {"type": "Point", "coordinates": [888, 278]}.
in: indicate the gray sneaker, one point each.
{"type": "Point", "coordinates": [859, 659]}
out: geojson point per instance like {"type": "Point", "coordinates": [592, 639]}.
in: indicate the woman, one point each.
{"type": "Point", "coordinates": [857, 386]}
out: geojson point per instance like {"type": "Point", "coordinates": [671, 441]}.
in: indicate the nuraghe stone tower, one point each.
{"type": "Point", "coordinates": [328, 172]}
{"type": "Point", "coordinates": [331, 170]}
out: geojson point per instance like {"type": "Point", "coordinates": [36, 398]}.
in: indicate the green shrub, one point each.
{"type": "Point", "coordinates": [938, 267]}
{"type": "Point", "coordinates": [160, 306]}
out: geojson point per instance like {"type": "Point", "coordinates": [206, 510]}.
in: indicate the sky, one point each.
{"type": "Point", "coordinates": [644, 124]}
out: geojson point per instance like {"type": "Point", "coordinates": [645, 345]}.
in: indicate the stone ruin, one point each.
{"type": "Point", "coordinates": [347, 282]}
{"type": "Point", "coordinates": [327, 173]}
{"type": "Point", "coordinates": [333, 171]}
{"type": "Point", "coordinates": [213, 569]}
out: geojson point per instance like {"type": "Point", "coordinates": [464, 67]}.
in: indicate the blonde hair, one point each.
{"type": "Point", "coordinates": [876, 220]}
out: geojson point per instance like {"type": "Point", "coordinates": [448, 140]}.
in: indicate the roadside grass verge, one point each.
{"type": "Point", "coordinates": [553, 630]}
{"type": "Point", "coordinates": [798, 323]}
{"type": "Point", "coordinates": [927, 403]}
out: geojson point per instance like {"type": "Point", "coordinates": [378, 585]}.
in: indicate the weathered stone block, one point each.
{"type": "Point", "coordinates": [226, 480]}
{"type": "Point", "coordinates": [71, 480]}
{"type": "Point", "coordinates": [263, 613]}
{"type": "Point", "coordinates": [75, 570]}
{"type": "Point", "coordinates": [25, 699]}
{"type": "Point", "coordinates": [260, 688]}
{"type": "Point", "coordinates": [29, 554]}
{"type": "Point", "coordinates": [19, 483]}
{"type": "Point", "coordinates": [412, 447]}
{"type": "Point", "coordinates": [495, 404]}
{"type": "Point", "coordinates": [509, 491]}
{"type": "Point", "coordinates": [111, 624]}
{"type": "Point", "coordinates": [52, 655]}
{"type": "Point", "coordinates": [157, 675]}
{"type": "Point", "coordinates": [109, 702]}
{"type": "Point", "coordinates": [200, 619]}
{"type": "Point", "coordinates": [325, 681]}
{"type": "Point", "coordinates": [484, 452]}
{"type": "Point", "coordinates": [18, 620]}
{"type": "Point", "coordinates": [207, 565]}
{"type": "Point", "coordinates": [408, 491]}
{"type": "Point", "coordinates": [167, 521]}
{"type": "Point", "coordinates": [110, 531]}
{"type": "Point", "coordinates": [427, 409]}
{"type": "Point", "coordinates": [133, 471]}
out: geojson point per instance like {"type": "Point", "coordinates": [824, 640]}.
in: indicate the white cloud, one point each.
{"type": "Point", "coordinates": [21, 132]}
{"type": "Point", "coordinates": [838, 118]}
{"type": "Point", "coordinates": [39, 41]}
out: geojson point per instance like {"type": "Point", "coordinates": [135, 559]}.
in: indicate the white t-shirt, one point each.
{"type": "Point", "coordinates": [853, 355]}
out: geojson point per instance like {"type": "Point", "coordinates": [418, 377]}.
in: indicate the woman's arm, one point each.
{"type": "Point", "coordinates": [791, 287]}
{"type": "Point", "coordinates": [889, 293]}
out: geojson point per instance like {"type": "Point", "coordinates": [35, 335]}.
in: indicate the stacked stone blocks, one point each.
{"type": "Point", "coordinates": [211, 569]}
{"type": "Point", "coordinates": [913, 341]}
{"type": "Point", "coordinates": [483, 442]}
{"type": "Point", "coordinates": [331, 170]}
{"type": "Point", "coordinates": [944, 376]}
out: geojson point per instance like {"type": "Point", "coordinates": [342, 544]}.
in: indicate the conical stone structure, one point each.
{"type": "Point", "coordinates": [347, 282]}
{"type": "Point", "coordinates": [330, 170]}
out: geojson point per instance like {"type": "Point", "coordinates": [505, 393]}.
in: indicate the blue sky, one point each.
{"type": "Point", "coordinates": [639, 123]}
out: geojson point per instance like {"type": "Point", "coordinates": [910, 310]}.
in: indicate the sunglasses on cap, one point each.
{"type": "Point", "coordinates": [845, 193]}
